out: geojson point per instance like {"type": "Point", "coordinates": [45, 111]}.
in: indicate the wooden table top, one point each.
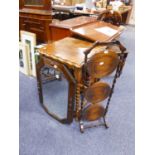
{"type": "Point", "coordinates": [74, 22]}
{"type": "Point", "coordinates": [68, 51]}
{"type": "Point", "coordinates": [88, 31]}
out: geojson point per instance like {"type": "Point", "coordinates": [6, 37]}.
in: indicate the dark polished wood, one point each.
{"type": "Point", "coordinates": [62, 29]}
{"type": "Point", "coordinates": [113, 17]}
{"type": "Point", "coordinates": [93, 112]}
{"type": "Point", "coordinates": [37, 4]}
{"type": "Point", "coordinates": [97, 92]}
{"type": "Point", "coordinates": [36, 19]}
{"type": "Point", "coordinates": [102, 64]}
{"type": "Point", "coordinates": [125, 12]}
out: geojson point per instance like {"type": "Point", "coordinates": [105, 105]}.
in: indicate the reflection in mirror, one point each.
{"type": "Point", "coordinates": [55, 92]}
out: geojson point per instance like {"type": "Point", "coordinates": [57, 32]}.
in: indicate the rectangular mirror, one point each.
{"type": "Point", "coordinates": [56, 91]}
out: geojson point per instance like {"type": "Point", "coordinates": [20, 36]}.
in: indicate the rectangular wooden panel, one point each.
{"type": "Point", "coordinates": [62, 29]}
{"type": "Point", "coordinates": [90, 32]}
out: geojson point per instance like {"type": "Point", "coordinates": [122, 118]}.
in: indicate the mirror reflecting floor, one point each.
{"type": "Point", "coordinates": [55, 97]}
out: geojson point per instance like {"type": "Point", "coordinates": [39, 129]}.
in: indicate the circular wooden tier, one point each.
{"type": "Point", "coordinates": [102, 64]}
{"type": "Point", "coordinates": [97, 92]}
{"type": "Point", "coordinates": [93, 112]}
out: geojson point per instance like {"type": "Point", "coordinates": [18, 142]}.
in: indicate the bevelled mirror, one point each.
{"type": "Point", "coordinates": [56, 89]}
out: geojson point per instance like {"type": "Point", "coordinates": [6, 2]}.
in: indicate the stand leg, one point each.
{"type": "Point", "coordinates": [105, 123]}
{"type": "Point", "coordinates": [96, 124]}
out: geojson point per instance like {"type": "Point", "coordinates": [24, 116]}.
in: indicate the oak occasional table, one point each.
{"type": "Point", "coordinates": [68, 53]}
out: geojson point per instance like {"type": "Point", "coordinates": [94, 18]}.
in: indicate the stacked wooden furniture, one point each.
{"type": "Point", "coordinates": [83, 27]}
{"type": "Point", "coordinates": [35, 16]}
{"type": "Point", "coordinates": [63, 29]}
{"type": "Point", "coordinates": [79, 49]}
{"type": "Point", "coordinates": [69, 53]}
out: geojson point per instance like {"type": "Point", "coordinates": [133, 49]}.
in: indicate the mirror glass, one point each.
{"type": "Point", "coordinates": [55, 92]}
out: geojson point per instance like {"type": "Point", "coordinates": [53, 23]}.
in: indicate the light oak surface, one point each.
{"type": "Point", "coordinates": [88, 31]}
{"type": "Point", "coordinates": [68, 51]}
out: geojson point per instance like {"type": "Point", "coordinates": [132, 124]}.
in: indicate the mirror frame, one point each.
{"type": "Point", "coordinates": [43, 60]}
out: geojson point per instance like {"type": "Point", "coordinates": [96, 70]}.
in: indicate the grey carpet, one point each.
{"type": "Point", "coordinates": [40, 134]}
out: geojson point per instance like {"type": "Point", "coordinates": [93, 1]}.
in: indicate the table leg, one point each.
{"type": "Point", "coordinates": [78, 77]}
{"type": "Point", "coordinates": [78, 108]}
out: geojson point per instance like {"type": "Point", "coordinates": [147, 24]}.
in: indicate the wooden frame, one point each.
{"type": "Point", "coordinates": [30, 39]}
{"type": "Point", "coordinates": [23, 58]}
{"type": "Point", "coordinates": [42, 61]}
